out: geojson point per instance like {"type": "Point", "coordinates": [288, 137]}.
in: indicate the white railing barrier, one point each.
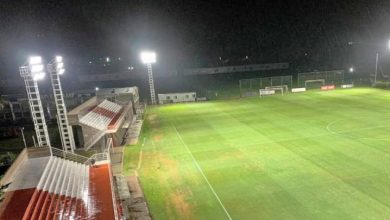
{"type": "Point", "coordinates": [69, 156]}
{"type": "Point", "coordinates": [107, 151]}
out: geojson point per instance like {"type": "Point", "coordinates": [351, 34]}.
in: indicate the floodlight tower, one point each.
{"type": "Point", "coordinates": [32, 72]}
{"type": "Point", "coordinates": [149, 58]}
{"type": "Point", "coordinates": [56, 68]}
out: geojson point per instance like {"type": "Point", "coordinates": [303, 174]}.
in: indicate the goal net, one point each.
{"type": "Point", "coordinates": [314, 83]}
{"type": "Point", "coordinates": [282, 88]}
{"type": "Point", "coordinates": [251, 87]}
{"type": "Point", "coordinates": [336, 77]}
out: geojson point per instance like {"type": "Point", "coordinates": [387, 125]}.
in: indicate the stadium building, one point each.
{"type": "Point", "coordinates": [109, 114]}
{"type": "Point", "coordinates": [49, 183]}
{"type": "Point", "coordinates": [61, 186]}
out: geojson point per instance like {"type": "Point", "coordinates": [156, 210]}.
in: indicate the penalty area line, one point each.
{"type": "Point", "coordinates": [140, 155]}
{"type": "Point", "coordinates": [139, 158]}
{"type": "Point", "coordinates": [201, 171]}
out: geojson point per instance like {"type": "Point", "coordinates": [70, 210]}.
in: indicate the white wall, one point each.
{"type": "Point", "coordinates": [176, 97]}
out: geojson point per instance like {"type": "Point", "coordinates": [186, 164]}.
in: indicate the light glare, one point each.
{"type": "Point", "coordinates": [148, 57]}
{"type": "Point", "coordinates": [61, 71]}
{"type": "Point", "coordinates": [36, 68]}
{"type": "Point", "coordinates": [38, 76]}
{"type": "Point", "coordinates": [60, 65]}
{"type": "Point", "coordinates": [58, 59]}
{"type": "Point", "coordinates": [35, 60]}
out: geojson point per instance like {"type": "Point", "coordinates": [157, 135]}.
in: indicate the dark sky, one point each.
{"type": "Point", "coordinates": [192, 33]}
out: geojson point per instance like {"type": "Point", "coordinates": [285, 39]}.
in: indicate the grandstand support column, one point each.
{"type": "Point", "coordinates": [55, 69]}
{"type": "Point", "coordinates": [151, 84]}
{"type": "Point", "coordinates": [27, 72]}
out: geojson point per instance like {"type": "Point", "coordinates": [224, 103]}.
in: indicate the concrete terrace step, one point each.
{"type": "Point", "coordinates": [59, 191]}
{"type": "Point", "coordinates": [54, 188]}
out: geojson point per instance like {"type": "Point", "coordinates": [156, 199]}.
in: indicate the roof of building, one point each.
{"type": "Point", "coordinates": [102, 116]}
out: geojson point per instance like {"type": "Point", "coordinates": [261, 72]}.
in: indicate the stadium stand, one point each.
{"type": "Point", "coordinates": [51, 187]}
{"type": "Point", "coordinates": [109, 114]}
{"type": "Point", "coordinates": [102, 115]}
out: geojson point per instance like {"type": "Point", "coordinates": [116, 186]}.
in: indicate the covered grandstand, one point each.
{"type": "Point", "coordinates": [106, 115]}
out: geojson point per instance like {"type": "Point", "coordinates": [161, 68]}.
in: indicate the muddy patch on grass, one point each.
{"type": "Point", "coordinates": [157, 137]}
{"type": "Point", "coordinates": [152, 117]}
{"type": "Point", "coordinates": [182, 207]}
{"type": "Point", "coordinates": [160, 164]}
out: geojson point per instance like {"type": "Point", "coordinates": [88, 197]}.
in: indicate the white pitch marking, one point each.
{"type": "Point", "coordinates": [140, 156]}
{"type": "Point", "coordinates": [201, 171]}
{"type": "Point", "coordinates": [352, 130]}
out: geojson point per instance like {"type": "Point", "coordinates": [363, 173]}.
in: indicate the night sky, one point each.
{"type": "Point", "coordinates": [309, 34]}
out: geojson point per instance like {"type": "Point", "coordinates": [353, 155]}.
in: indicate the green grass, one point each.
{"type": "Point", "coordinates": [314, 155]}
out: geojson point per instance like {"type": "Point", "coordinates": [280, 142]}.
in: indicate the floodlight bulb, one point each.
{"type": "Point", "coordinates": [58, 59]}
{"type": "Point", "coordinates": [35, 60]}
{"type": "Point", "coordinates": [38, 76]}
{"type": "Point", "coordinates": [36, 68]}
{"type": "Point", "coordinates": [60, 65]}
{"type": "Point", "coordinates": [148, 57]}
{"type": "Point", "coordinates": [97, 89]}
{"type": "Point", "coordinates": [61, 71]}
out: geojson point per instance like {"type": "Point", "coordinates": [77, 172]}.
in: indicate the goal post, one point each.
{"type": "Point", "coordinates": [271, 91]}
{"type": "Point", "coordinates": [250, 87]}
{"type": "Point", "coordinates": [335, 77]}
{"type": "Point", "coordinates": [283, 88]}
{"type": "Point", "coordinates": [266, 92]}
{"type": "Point", "coordinates": [322, 81]}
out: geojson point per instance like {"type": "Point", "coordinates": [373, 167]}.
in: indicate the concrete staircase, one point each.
{"type": "Point", "coordinates": [60, 193]}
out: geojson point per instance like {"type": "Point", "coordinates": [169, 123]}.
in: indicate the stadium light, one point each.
{"type": "Point", "coordinates": [35, 60]}
{"type": "Point", "coordinates": [32, 71]}
{"type": "Point", "coordinates": [36, 68]}
{"type": "Point", "coordinates": [388, 44]}
{"type": "Point", "coordinates": [56, 68]}
{"type": "Point", "coordinates": [61, 71]}
{"type": "Point", "coordinates": [57, 65]}
{"type": "Point", "coordinates": [351, 70]}
{"type": "Point", "coordinates": [58, 59]}
{"type": "Point", "coordinates": [148, 58]}
{"type": "Point", "coordinates": [60, 65]}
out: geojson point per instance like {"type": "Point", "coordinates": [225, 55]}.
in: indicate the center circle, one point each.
{"type": "Point", "coordinates": [367, 127]}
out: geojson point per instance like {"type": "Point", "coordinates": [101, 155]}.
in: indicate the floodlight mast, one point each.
{"type": "Point", "coordinates": [32, 72]}
{"type": "Point", "coordinates": [55, 69]}
{"type": "Point", "coordinates": [376, 56]}
{"type": "Point", "coordinates": [148, 58]}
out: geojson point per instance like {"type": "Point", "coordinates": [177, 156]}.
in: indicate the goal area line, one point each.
{"type": "Point", "coordinates": [202, 173]}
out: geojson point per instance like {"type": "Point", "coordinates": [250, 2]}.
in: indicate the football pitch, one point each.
{"type": "Point", "coordinates": [313, 155]}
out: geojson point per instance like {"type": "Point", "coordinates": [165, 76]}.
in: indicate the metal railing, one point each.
{"type": "Point", "coordinates": [69, 156]}
{"type": "Point", "coordinates": [109, 146]}
{"type": "Point", "coordinates": [104, 156]}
